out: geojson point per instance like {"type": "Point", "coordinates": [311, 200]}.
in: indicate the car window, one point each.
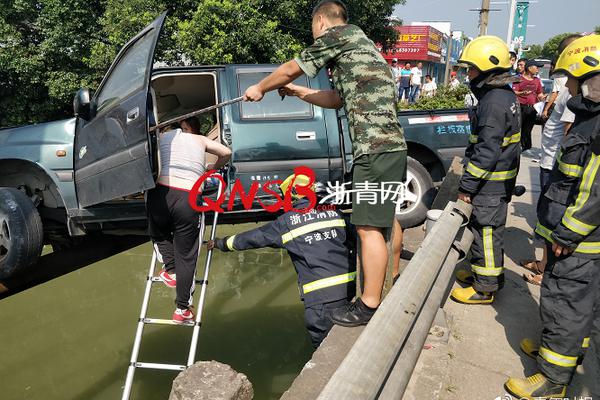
{"type": "Point", "coordinates": [271, 106]}
{"type": "Point", "coordinates": [128, 75]}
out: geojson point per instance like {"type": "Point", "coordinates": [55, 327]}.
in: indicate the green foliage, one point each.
{"type": "Point", "coordinates": [535, 51]}
{"type": "Point", "coordinates": [597, 29]}
{"type": "Point", "coordinates": [50, 48]}
{"type": "Point", "coordinates": [550, 48]}
{"type": "Point", "coordinates": [445, 98]}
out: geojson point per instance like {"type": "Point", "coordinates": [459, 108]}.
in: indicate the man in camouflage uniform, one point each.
{"type": "Point", "coordinates": [364, 86]}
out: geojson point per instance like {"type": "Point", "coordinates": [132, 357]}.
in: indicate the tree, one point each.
{"type": "Point", "coordinates": [50, 48]}
{"type": "Point", "coordinates": [597, 29]}
{"type": "Point", "coordinates": [535, 51]}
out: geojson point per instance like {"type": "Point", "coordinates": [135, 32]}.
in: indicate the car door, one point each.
{"type": "Point", "coordinates": [271, 137]}
{"type": "Point", "coordinates": [112, 152]}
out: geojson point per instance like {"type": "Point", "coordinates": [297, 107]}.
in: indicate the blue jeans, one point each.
{"type": "Point", "coordinates": [404, 91]}
{"type": "Point", "coordinates": [414, 93]}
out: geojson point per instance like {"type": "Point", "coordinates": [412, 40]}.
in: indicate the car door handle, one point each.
{"type": "Point", "coordinates": [306, 135]}
{"type": "Point", "coordinates": [132, 115]}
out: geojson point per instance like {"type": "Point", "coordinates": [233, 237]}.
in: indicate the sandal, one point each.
{"type": "Point", "coordinates": [534, 279]}
{"type": "Point", "coordinates": [532, 265]}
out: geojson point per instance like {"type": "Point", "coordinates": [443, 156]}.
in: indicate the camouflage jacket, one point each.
{"type": "Point", "coordinates": [365, 83]}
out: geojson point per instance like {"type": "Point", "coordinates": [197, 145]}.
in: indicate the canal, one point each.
{"type": "Point", "coordinates": [71, 338]}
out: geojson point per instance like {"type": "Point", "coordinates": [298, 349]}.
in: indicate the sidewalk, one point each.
{"type": "Point", "coordinates": [483, 346]}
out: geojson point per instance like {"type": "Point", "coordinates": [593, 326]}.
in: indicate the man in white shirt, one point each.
{"type": "Point", "coordinates": [429, 87]}
{"type": "Point", "coordinates": [555, 129]}
{"type": "Point", "coordinates": [416, 75]}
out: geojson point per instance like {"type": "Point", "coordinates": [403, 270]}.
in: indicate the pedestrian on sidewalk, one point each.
{"type": "Point", "coordinates": [365, 88]}
{"type": "Point", "coordinates": [529, 91]}
{"type": "Point", "coordinates": [321, 245]}
{"type": "Point", "coordinates": [416, 78]}
{"type": "Point", "coordinates": [492, 164]}
{"type": "Point", "coordinates": [553, 133]}
{"type": "Point", "coordinates": [405, 77]}
{"type": "Point", "coordinates": [571, 285]}
{"type": "Point", "coordinates": [396, 71]}
{"type": "Point", "coordinates": [172, 223]}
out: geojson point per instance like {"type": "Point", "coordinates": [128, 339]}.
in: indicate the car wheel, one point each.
{"type": "Point", "coordinates": [21, 233]}
{"type": "Point", "coordinates": [419, 194]}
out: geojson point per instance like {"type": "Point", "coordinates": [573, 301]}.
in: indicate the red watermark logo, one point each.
{"type": "Point", "coordinates": [247, 199]}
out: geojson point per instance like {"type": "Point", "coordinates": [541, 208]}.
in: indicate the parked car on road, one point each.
{"type": "Point", "coordinates": [65, 179]}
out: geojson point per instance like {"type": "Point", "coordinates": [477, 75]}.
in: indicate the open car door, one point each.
{"type": "Point", "coordinates": [112, 151]}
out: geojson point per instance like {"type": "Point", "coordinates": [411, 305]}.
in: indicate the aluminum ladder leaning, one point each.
{"type": "Point", "coordinates": [144, 320]}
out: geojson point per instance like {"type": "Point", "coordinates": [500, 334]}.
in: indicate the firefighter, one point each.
{"type": "Point", "coordinates": [492, 164]}
{"type": "Point", "coordinates": [571, 283]}
{"type": "Point", "coordinates": [321, 245]}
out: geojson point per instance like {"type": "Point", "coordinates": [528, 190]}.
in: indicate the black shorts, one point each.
{"type": "Point", "coordinates": [376, 168]}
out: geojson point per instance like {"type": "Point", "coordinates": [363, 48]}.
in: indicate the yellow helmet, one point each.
{"type": "Point", "coordinates": [581, 58]}
{"type": "Point", "coordinates": [299, 180]}
{"type": "Point", "coordinates": [486, 53]}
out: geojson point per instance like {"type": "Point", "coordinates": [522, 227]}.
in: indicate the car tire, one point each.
{"type": "Point", "coordinates": [21, 233]}
{"type": "Point", "coordinates": [420, 192]}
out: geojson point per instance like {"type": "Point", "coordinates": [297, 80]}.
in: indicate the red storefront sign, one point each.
{"type": "Point", "coordinates": [416, 43]}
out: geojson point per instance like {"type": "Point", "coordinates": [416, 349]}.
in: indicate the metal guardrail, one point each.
{"type": "Point", "coordinates": [390, 344]}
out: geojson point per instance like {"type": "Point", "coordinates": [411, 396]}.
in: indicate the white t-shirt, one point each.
{"type": "Point", "coordinates": [554, 130]}
{"type": "Point", "coordinates": [559, 83]}
{"type": "Point", "coordinates": [417, 74]}
{"type": "Point", "coordinates": [428, 88]}
{"type": "Point", "coordinates": [454, 83]}
{"type": "Point", "coordinates": [396, 74]}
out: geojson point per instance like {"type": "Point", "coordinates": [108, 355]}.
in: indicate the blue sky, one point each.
{"type": "Point", "coordinates": [550, 17]}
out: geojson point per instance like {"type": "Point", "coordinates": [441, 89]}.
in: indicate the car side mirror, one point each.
{"type": "Point", "coordinates": [81, 104]}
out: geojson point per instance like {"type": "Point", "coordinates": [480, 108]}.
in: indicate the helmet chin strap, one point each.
{"type": "Point", "coordinates": [590, 88]}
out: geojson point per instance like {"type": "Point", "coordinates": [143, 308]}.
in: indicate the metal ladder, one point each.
{"type": "Point", "coordinates": [143, 320]}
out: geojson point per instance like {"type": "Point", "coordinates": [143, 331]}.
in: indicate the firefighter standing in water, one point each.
{"type": "Point", "coordinates": [321, 245]}
{"type": "Point", "coordinates": [571, 284]}
{"type": "Point", "coordinates": [492, 164]}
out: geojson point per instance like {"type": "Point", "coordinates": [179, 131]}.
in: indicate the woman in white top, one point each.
{"type": "Point", "coordinates": [429, 87]}
{"type": "Point", "coordinates": [172, 223]}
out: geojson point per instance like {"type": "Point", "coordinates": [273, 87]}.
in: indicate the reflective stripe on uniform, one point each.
{"type": "Point", "coordinates": [589, 174]}
{"type": "Point", "coordinates": [588, 248]}
{"type": "Point", "coordinates": [515, 138]}
{"type": "Point", "coordinates": [490, 176]}
{"type": "Point", "coordinates": [229, 243]}
{"type": "Point", "coordinates": [488, 247]}
{"type": "Point", "coordinates": [543, 232]}
{"type": "Point", "coordinates": [572, 170]}
{"type": "Point", "coordinates": [328, 282]}
{"type": "Point", "coordinates": [557, 359]}
{"type": "Point", "coordinates": [586, 343]}
{"type": "Point", "coordinates": [483, 271]}
{"type": "Point", "coordinates": [294, 233]}
{"type": "Point", "coordinates": [576, 225]}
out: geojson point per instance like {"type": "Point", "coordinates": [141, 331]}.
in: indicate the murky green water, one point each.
{"type": "Point", "coordinates": [71, 338]}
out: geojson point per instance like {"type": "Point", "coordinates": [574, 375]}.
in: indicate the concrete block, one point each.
{"type": "Point", "coordinates": [211, 380]}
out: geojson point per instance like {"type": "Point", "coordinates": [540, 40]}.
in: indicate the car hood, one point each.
{"type": "Point", "coordinates": [55, 132]}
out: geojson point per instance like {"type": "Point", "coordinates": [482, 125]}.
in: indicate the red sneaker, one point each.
{"type": "Point", "coordinates": [167, 278]}
{"type": "Point", "coordinates": [183, 316]}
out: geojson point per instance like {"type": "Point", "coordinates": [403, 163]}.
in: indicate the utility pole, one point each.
{"type": "Point", "coordinates": [448, 57]}
{"type": "Point", "coordinates": [511, 22]}
{"type": "Point", "coordinates": [484, 15]}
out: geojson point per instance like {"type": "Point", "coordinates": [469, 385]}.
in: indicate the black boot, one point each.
{"type": "Point", "coordinates": [355, 314]}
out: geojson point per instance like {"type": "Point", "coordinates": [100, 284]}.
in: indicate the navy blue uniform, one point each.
{"type": "Point", "coordinates": [492, 165]}
{"type": "Point", "coordinates": [321, 245]}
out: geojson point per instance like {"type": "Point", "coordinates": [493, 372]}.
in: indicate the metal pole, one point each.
{"type": "Point", "coordinates": [366, 366]}
{"type": "Point", "coordinates": [484, 15]}
{"type": "Point", "coordinates": [400, 375]}
{"type": "Point", "coordinates": [196, 332]}
{"type": "Point", "coordinates": [448, 57]}
{"type": "Point", "coordinates": [511, 22]}
{"type": "Point", "coordinates": [140, 330]}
